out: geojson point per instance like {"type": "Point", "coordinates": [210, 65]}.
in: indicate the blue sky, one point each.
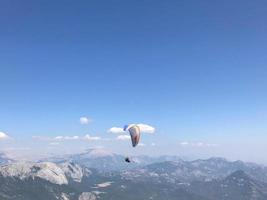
{"type": "Point", "coordinates": [194, 70]}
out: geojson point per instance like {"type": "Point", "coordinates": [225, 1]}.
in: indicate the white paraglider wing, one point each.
{"type": "Point", "coordinates": [134, 131]}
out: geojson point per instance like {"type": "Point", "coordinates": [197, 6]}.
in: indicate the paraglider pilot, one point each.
{"type": "Point", "coordinates": [127, 159]}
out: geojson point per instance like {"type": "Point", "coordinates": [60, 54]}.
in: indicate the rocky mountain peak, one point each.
{"type": "Point", "coordinates": [54, 173]}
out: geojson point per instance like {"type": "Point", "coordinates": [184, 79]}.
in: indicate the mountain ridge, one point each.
{"type": "Point", "coordinates": [84, 178]}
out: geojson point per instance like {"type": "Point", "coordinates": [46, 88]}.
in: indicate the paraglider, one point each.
{"type": "Point", "coordinates": [135, 133]}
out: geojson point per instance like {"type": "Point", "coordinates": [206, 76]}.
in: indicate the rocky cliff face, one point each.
{"type": "Point", "coordinates": [47, 171]}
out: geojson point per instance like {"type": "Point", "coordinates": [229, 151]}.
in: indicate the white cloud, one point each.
{"type": "Point", "coordinates": [143, 127]}
{"type": "Point", "coordinates": [146, 128]}
{"type": "Point", "coordinates": [184, 143]}
{"type": "Point", "coordinates": [123, 137]}
{"type": "Point", "coordinates": [75, 137]}
{"type": "Point", "coordinates": [198, 144]}
{"type": "Point", "coordinates": [141, 144]}
{"type": "Point", "coordinates": [58, 138]}
{"type": "Point", "coordinates": [3, 136]}
{"type": "Point", "coordinates": [54, 143]}
{"type": "Point", "coordinates": [91, 138]}
{"type": "Point", "coordinates": [116, 130]}
{"type": "Point", "coordinates": [64, 138]}
{"type": "Point", "coordinates": [153, 144]}
{"type": "Point", "coordinates": [85, 120]}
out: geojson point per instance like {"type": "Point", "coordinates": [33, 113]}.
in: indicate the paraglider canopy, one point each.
{"type": "Point", "coordinates": [134, 132]}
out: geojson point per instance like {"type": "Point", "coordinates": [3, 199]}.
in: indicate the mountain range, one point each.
{"type": "Point", "coordinates": [98, 174]}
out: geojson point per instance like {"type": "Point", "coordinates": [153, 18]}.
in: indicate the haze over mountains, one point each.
{"type": "Point", "coordinates": [99, 174]}
{"type": "Point", "coordinates": [4, 159]}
